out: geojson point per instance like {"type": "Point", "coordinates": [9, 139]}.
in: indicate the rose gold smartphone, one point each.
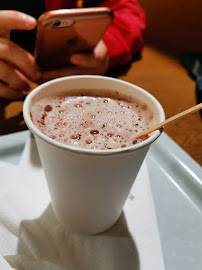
{"type": "Point", "coordinates": [64, 32]}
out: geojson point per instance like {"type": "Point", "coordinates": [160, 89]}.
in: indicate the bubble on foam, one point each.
{"type": "Point", "coordinates": [88, 141]}
{"type": "Point", "coordinates": [94, 132]}
{"type": "Point", "coordinates": [48, 108]}
{"type": "Point", "coordinates": [78, 121]}
{"type": "Point", "coordinates": [78, 105]}
{"type": "Point", "coordinates": [74, 137]}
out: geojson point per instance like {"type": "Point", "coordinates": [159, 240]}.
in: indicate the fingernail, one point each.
{"type": "Point", "coordinates": [74, 59]}
{"type": "Point", "coordinates": [29, 20]}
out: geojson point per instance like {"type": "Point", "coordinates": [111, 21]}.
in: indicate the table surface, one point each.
{"type": "Point", "coordinates": [162, 76]}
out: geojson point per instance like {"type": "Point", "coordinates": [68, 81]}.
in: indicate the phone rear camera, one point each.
{"type": "Point", "coordinates": [56, 24]}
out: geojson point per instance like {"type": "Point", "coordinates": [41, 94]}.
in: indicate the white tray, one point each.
{"type": "Point", "coordinates": [176, 182]}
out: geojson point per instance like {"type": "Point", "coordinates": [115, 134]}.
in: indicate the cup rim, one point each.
{"type": "Point", "coordinates": [38, 133]}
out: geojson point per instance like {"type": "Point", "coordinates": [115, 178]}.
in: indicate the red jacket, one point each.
{"type": "Point", "coordinates": [124, 36]}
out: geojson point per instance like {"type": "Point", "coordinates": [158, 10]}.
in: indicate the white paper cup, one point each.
{"type": "Point", "coordinates": [88, 188]}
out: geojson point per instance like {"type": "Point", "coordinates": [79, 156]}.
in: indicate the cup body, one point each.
{"type": "Point", "coordinates": [88, 188]}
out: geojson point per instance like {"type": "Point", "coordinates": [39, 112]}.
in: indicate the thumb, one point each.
{"type": "Point", "coordinates": [15, 20]}
{"type": "Point", "coordinates": [84, 60]}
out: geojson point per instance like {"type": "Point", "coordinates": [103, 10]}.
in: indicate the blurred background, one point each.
{"type": "Point", "coordinates": [175, 25]}
{"type": "Point", "coordinates": [170, 65]}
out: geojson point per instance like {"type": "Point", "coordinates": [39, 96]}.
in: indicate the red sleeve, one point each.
{"type": "Point", "coordinates": [124, 36]}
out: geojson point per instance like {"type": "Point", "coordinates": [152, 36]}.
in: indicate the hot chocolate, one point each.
{"type": "Point", "coordinates": [88, 187]}
{"type": "Point", "coordinates": [92, 122]}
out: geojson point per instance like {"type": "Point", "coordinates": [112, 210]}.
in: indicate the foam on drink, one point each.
{"type": "Point", "coordinates": [92, 122]}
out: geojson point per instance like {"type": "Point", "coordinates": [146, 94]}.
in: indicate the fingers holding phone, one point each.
{"type": "Point", "coordinates": [70, 42]}
{"type": "Point", "coordinates": [67, 42]}
{"type": "Point", "coordinates": [92, 63]}
{"type": "Point", "coordinates": [17, 66]}
{"type": "Point", "coordinates": [97, 60]}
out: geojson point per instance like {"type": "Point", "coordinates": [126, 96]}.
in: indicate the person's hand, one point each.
{"type": "Point", "coordinates": [95, 63]}
{"type": "Point", "coordinates": [17, 66]}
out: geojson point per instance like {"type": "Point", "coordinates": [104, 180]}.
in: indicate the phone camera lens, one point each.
{"type": "Point", "coordinates": [56, 24]}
